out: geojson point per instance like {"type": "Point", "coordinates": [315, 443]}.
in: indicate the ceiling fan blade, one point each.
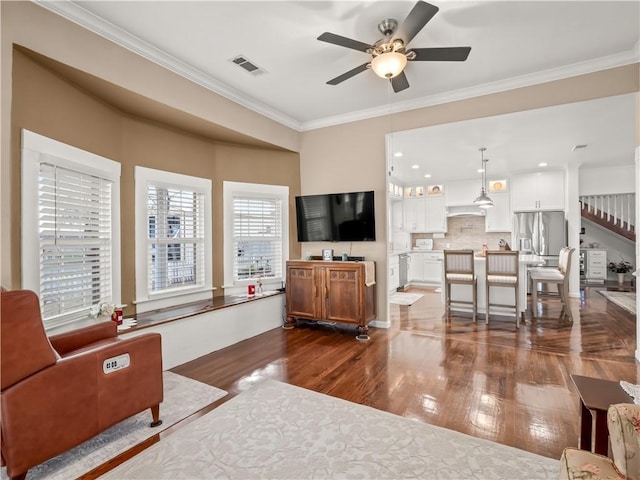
{"type": "Point", "coordinates": [444, 54]}
{"type": "Point", "coordinates": [418, 17]}
{"type": "Point", "coordinates": [400, 83]}
{"type": "Point", "coordinates": [343, 41]}
{"type": "Point", "coordinates": [348, 75]}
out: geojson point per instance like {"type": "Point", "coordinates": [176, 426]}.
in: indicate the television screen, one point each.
{"type": "Point", "coordinates": [336, 217]}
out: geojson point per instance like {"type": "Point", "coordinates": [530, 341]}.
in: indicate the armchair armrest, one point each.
{"type": "Point", "coordinates": [64, 343]}
{"type": "Point", "coordinates": [623, 420]}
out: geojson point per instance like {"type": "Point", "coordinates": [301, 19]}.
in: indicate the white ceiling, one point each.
{"type": "Point", "coordinates": [513, 44]}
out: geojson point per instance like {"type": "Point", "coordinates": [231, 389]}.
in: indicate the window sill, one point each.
{"type": "Point", "coordinates": [171, 314]}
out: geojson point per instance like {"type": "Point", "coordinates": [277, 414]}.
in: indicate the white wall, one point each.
{"type": "Point", "coordinates": [608, 180]}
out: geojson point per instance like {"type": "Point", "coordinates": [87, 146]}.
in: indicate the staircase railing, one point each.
{"type": "Point", "coordinates": [615, 212]}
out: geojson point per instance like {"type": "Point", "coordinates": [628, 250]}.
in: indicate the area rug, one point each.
{"type": "Point", "coordinates": [276, 430]}
{"type": "Point", "coordinates": [625, 300]}
{"type": "Point", "coordinates": [182, 397]}
{"type": "Point", "coordinates": [401, 298]}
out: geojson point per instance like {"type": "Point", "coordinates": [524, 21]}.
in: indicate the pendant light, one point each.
{"type": "Point", "coordinates": [483, 200]}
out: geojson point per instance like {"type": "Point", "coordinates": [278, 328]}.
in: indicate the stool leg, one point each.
{"type": "Point", "coordinates": [447, 299]}
{"type": "Point", "coordinates": [486, 312]}
{"type": "Point", "coordinates": [534, 298]}
{"type": "Point", "coordinates": [474, 285]}
{"type": "Point", "coordinates": [517, 307]}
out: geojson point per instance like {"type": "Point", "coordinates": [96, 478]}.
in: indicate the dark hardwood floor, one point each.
{"type": "Point", "coordinates": [495, 382]}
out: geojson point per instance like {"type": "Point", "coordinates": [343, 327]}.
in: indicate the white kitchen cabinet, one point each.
{"type": "Point", "coordinates": [416, 266]}
{"type": "Point", "coordinates": [414, 214]}
{"type": "Point", "coordinates": [397, 215]}
{"type": "Point", "coordinates": [461, 192]}
{"type": "Point", "coordinates": [596, 266]}
{"type": "Point", "coordinates": [425, 267]}
{"type": "Point", "coordinates": [498, 218]}
{"type": "Point", "coordinates": [394, 270]}
{"type": "Point", "coordinates": [433, 267]}
{"type": "Point", "coordinates": [436, 221]}
{"type": "Point", "coordinates": [538, 191]}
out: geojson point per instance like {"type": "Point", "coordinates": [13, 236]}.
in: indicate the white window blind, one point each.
{"type": "Point", "coordinates": [175, 241]}
{"type": "Point", "coordinates": [75, 236]}
{"type": "Point", "coordinates": [257, 237]}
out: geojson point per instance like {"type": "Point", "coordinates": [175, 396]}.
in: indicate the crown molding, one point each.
{"type": "Point", "coordinates": [80, 16]}
{"type": "Point", "coordinates": [567, 71]}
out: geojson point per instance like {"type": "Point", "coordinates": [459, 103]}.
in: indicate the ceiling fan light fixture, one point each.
{"type": "Point", "coordinates": [389, 65]}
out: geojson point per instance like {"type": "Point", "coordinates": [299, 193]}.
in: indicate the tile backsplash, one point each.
{"type": "Point", "coordinates": [465, 232]}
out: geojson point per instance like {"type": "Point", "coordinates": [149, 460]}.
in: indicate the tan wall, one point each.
{"type": "Point", "coordinates": [49, 105]}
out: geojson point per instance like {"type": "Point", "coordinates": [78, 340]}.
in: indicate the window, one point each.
{"type": "Point", "coordinates": [71, 199]}
{"type": "Point", "coordinates": [173, 238]}
{"type": "Point", "coordinates": [256, 232]}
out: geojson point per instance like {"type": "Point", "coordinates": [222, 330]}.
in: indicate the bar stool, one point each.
{"type": "Point", "coordinates": [502, 270]}
{"type": "Point", "coordinates": [459, 270]}
{"type": "Point", "coordinates": [557, 276]}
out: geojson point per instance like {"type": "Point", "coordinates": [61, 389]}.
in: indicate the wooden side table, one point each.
{"type": "Point", "coordinates": [595, 397]}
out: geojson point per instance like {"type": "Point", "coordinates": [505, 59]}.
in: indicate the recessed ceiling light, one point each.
{"type": "Point", "coordinates": [542, 164]}
{"type": "Point", "coordinates": [398, 154]}
{"type": "Point", "coordinates": [578, 147]}
{"type": "Point", "coordinates": [480, 170]}
{"type": "Point", "coordinates": [415, 166]}
{"type": "Point", "coordinates": [428, 175]}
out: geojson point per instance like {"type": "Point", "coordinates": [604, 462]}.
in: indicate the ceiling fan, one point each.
{"type": "Point", "coordinates": [390, 54]}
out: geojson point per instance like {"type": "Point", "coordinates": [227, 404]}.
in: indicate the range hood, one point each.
{"type": "Point", "coordinates": [466, 211]}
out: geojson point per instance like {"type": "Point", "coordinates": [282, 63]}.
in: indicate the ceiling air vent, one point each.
{"type": "Point", "coordinates": [246, 64]}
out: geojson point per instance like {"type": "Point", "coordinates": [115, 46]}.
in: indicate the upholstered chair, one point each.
{"type": "Point", "coordinates": [554, 276]}
{"type": "Point", "coordinates": [623, 421]}
{"type": "Point", "coordinates": [58, 392]}
{"type": "Point", "coordinates": [459, 270]}
{"type": "Point", "coordinates": [503, 271]}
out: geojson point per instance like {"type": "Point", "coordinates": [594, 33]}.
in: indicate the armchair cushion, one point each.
{"type": "Point", "coordinates": [624, 431]}
{"type": "Point", "coordinates": [577, 464]}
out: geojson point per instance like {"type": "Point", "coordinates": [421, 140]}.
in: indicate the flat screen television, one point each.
{"type": "Point", "coordinates": [336, 217]}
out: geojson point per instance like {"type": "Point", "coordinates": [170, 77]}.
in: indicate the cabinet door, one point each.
{"type": "Point", "coordinates": [397, 215]}
{"type": "Point", "coordinates": [524, 192]}
{"type": "Point", "coordinates": [343, 296]}
{"type": "Point", "coordinates": [416, 266]}
{"type": "Point", "coordinates": [394, 277]}
{"type": "Point", "coordinates": [538, 191]}
{"type": "Point", "coordinates": [436, 215]}
{"type": "Point", "coordinates": [302, 291]}
{"type": "Point", "coordinates": [432, 269]}
{"type": "Point", "coordinates": [551, 190]}
{"type": "Point", "coordinates": [498, 218]}
{"type": "Point", "coordinates": [415, 215]}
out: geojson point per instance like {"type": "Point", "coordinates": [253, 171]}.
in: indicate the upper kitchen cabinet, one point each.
{"type": "Point", "coordinates": [436, 214]}
{"type": "Point", "coordinates": [415, 215]}
{"type": "Point", "coordinates": [461, 192]}
{"type": "Point", "coordinates": [498, 218]}
{"type": "Point", "coordinates": [397, 215]}
{"type": "Point", "coordinates": [538, 191]}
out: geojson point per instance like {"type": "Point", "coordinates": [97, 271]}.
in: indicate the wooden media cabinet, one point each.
{"type": "Point", "coordinates": [330, 292]}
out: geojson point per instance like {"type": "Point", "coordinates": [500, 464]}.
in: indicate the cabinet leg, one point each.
{"type": "Point", "coordinates": [363, 333]}
{"type": "Point", "coordinates": [289, 323]}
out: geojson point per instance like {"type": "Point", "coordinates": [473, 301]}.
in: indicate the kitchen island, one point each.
{"type": "Point", "coordinates": [498, 294]}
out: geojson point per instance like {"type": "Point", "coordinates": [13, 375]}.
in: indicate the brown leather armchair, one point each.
{"type": "Point", "coordinates": [54, 392]}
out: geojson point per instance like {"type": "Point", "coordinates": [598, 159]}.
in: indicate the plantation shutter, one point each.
{"type": "Point", "coordinates": [257, 237]}
{"type": "Point", "coordinates": [175, 242]}
{"type": "Point", "coordinates": [75, 236]}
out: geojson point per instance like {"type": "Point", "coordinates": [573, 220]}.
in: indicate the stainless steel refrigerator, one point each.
{"type": "Point", "coordinates": [540, 233]}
